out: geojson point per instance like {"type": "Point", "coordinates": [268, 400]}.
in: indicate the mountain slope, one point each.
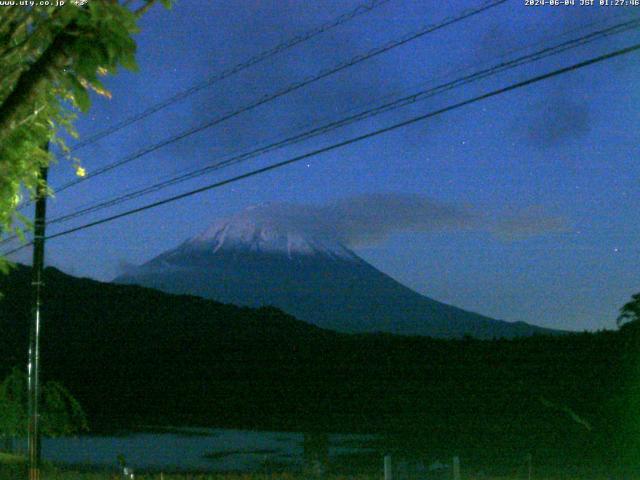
{"type": "Point", "coordinates": [256, 258]}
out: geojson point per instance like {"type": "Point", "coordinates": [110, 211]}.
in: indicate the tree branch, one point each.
{"type": "Point", "coordinates": [10, 20]}
{"type": "Point", "coordinates": [30, 82]}
{"type": "Point", "coordinates": [40, 32]}
{"type": "Point", "coordinates": [142, 10]}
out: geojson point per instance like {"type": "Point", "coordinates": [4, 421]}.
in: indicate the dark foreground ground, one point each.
{"type": "Point", "coordinates": [137, 356]}
{"type": "Point", "coordinates": [13, 468]}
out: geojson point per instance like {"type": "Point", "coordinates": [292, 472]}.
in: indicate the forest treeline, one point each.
{"type": "Point", "coordinates": [135, 356]}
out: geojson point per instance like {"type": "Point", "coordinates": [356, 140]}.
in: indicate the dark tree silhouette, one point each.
{"type": "Point", "coordinates": [630, 312]}
{"type": "Point", "coordinates": [62, 413]}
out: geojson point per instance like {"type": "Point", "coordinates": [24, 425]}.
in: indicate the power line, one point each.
{"type": "Point", "coordinates": [344, 143]}
{"type": "Point", "coordinates": [287, 44]}
{"type": "Point", "coordinates": [135, 192]}
{"type": "Point", "coordinates": [294, 86]}
{"type": "Point", "coordinates": [342, 19]}
{"type": "Point", "coordinates": [618, 28]}
{"type": "Point", "coordinates": [412, 98]}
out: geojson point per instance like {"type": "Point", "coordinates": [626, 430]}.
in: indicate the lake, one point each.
{"type": "Point", "coordinates": [200, 449]}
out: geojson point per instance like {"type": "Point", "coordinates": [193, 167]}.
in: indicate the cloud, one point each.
{"type": "Point", "coordinates": [371, 218]}
{"type": "Point", "coordinates": [267, 24]}
{"type": "Point", "coordinates": [557, 120]}
{"type": "Point", "coordinates": [529, 222]}
{"type": "Point", "coordinates": [367, 219]}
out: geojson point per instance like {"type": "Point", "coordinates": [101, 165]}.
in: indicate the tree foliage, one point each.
{"type": "Point", "coordinates": [50, 58]}
{"type": "Point", "coordinates": [630, 311]}
{"type": "Point", "coordinates": [61, 414]}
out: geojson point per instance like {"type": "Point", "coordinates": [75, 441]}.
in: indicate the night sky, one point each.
{"type": "Point", "coordinates": [538, 186]}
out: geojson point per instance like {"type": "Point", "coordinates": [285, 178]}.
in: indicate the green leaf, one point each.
{"type": "Point", "coordinates": [80, 94]}
{"type": "Point", "coordinates": [128, 61]}
{"type": "Point", "coordinates": [101, 38]}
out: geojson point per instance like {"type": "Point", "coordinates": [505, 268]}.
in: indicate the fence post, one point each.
{"type": "Point", "coordinates": [388, 468]}
{"type": "Point", "coordinates": [530, 462]}
{"type": "Point", "coordinates": [456, 468]}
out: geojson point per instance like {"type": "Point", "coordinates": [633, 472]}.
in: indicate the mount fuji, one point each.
{"type": "Point", "coordinates": [257, 258]}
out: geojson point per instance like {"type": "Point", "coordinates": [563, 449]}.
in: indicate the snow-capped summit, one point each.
{"type": "Point", "coordinates": [275, 255]}
{"type": "Point", "coordinates": [259, 230]}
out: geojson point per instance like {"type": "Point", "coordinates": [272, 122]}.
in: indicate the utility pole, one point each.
{"type": "Point", "coordinates": [33, 368]}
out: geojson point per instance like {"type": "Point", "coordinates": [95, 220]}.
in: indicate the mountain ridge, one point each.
{"type": "Point", "coordinates": [256, 258]}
